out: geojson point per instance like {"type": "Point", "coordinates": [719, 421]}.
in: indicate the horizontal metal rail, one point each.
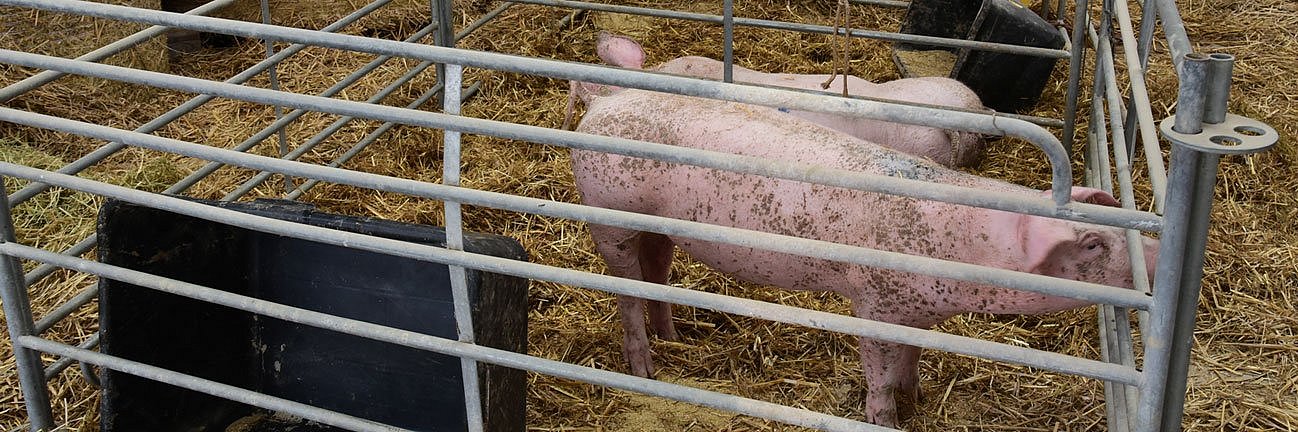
{"type": "Point", "coordinates": [45, 77]}
{"type": "Point", "coordinates": [884, 3]}
{"type": "Point", "coordinates": [1061, 170]}
{"type": "Point", "coordinates": [809, 28]}
{"type": "Point", "coordinates": [203, 385]}
{"type": "Point", "coordinates": [62, 364]}
{"type": "Point", "coordinates": [110, 149]}
{"type": "Point", "coordinates": [745, 307]}
{"type": "Point", "coordinates": [406, 338]}
{"type": "Point", "coordinates": [1007, 201]}
{"type": "Point", "coordinates": [775, 242]}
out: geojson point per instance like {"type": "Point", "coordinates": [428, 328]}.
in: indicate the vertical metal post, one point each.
{"type": "Point", "coordinates": [18, 315]}
{"type": "Point", "coordinates": [273, 75]}
{"type": "Point", "coordinates": [455, 241]}
{"type": "Point", "coordinates": [1216, 95]}
{"type": "Point", "coordinates": [728, 50]}
{"type": "Point", "coordinates": [1173, 251]}
{"type": "Point", "coordinates": [1081, 21]}
{"type": "Point", "coordinates": [445, 35]}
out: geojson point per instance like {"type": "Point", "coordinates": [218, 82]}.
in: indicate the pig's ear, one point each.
{"type": "Point", "coordinates": [619, 51]}
{"type": "Point", "coordinates": [1090, 196]}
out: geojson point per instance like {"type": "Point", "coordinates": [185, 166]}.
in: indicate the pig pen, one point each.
{"type": "Point", "coordinates": [781, 363]}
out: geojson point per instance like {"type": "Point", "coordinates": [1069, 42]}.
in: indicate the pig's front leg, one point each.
{"type": "Point", "coordinates": [890, 370]}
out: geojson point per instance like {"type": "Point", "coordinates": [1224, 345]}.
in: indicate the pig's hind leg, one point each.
{"type": "Point", "coordinates": [642, 256]}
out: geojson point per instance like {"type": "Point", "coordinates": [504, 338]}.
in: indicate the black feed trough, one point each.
{"type": "Point", "coordinates": [378, 381]}
{"type": "Point", "coordinates": [1005, 82]}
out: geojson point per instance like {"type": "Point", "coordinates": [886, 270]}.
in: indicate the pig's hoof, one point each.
{"type": "Point", "coordinates": [641, 363]}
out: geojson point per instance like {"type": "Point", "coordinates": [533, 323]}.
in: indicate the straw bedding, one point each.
{"type": "Point", "coordinates": [1241, 379]}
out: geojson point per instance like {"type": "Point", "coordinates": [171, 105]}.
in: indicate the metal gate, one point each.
{"type": "Point", "coordinates": [1144, 397]}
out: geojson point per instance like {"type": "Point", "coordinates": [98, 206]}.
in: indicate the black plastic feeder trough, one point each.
{"type": "Point", "coordinates": [382, 382]}
{"type": "Point", "coordinates": [1004, 82]}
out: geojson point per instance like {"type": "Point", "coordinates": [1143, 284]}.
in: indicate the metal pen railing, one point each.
{"type": "Point", "coordinates": [1144, 398]}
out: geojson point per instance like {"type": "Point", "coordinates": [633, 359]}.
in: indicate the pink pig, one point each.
{"type": "Point", "coordinates": [949, 148]}
{"type": "Point", "coordinates": [933, 229]}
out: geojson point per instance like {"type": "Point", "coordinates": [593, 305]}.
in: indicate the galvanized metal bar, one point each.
{"type": "Point", "coordinates": [1191, 92]}
{"type": "Point", "coordinates": [444, 17]}
{"type": "Point", "coordinates": [1148, 23]}
{"type": "Point", "coordinates": [1114, 396]}
{"type": "Point", "coordinates": [338, 124]}
{"type": "Point", "coordinates": [883, 3]}
{"type": "Point", "coordinates": [1220, 68]}
{"type": "Point", "coordinates": [801, 172]}
{"type": "Point", "coordinates": [728, 41]}
{"type": "Point", "coordinates": [1174, 247]}
{"type": "Point", "coordinates": [45, 77]}
{"type": "Point", "coordinates": [377, 132]}
{"type": "Point", "coordinates": [1060, 166]}
{"type": "Point", "coordinates": [272, 76]}
{"type": "Point", "coordinates": [1140, 104]}
{"type": "Point", "coordinates": [755, 408]}
{"type": "Point", "coordinates": [67, 308]}
{"type": "Point", "coordinates": [157, 123]}
{"type": "Point", "coordinates": [742, 237]}
{"type": "Point", "coordinates": [808, 28]}
{"type": "Point", "coordinates": [1191, 282]}
{"type": "Point", "coordinates": [373, 135]}
{"type": "Point", "coordinates": [451, 152]}
{"type": "Point", "coordinates": [62, 364]}
{"type": "Point", "coordinates": [42, 271]}
{"type": "Point", "coordinates": [1174, 30]}
{"type": "Point", "coordinates": [1081, 21]}
{"type": "Point", "coordinates": [204, 386]}
{"type": "Point", "coordinates": [739, 306]}
{"type": "Point", "coordinates": [16, 304]}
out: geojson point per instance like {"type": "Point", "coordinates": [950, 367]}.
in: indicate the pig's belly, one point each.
{"type": "Point", "coordinates": [766, 267]}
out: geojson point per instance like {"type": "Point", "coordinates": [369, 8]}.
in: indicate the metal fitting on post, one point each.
{"type": "Point", "coordinates": [1217, 91]}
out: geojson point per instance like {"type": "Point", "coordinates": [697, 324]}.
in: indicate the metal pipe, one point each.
{"type": "Point", "coordinates": [372, 136]}
{"type": "Point", "coordinates": [1190, 284]}
{"type": "Point", "coordinates": [1144, 116]}
{"type": "Point", "coordinates": [337, 125]}
{"type": "Point", "coordinates": [787, 314]}
{"type": "Point", "coordinates": [272, 76]}
{"type": "Point", "coordinates": [1060, 193]}
{"type": "Point", "coordinates": [42, 271]}
{"type": "Point", "coordinates": [455, 241]}
{"type": "Point", "coordinates": [1220, 68]}
{"type": "Point", "coordinates": [1193, 74]}
{"type": "Point", "coordinates": [728, 41]}
{"type": "Point", "coordinates": [62, 364]}
{"type": "Point", "coordinates": [1174, 30]}
{"type": "Point", "coordinates": [1175, 245]}
{"type": "Point", "coordinates": [807, 28]}
{"type": "Point", "coordinates": [883, 3]}
{"type": "Point", "coordinates": [991, 124]}
{"type": "Point", "coordinates": [17, 308]}
{"type": "Point", "coordinates": [780, 243]}
{"type": "Point", "coordinates": [1081, 21]}
{"type": "Point", "coordinates": [765, 410]}
{"type": "Point", "coordinates": [58, 314]}
{"type": "Point", "coordinates": [45, 77]}
{"type": "Point", "coordinates": [157, 123]}
{"type": "Point", "coordinates": [204, 386]}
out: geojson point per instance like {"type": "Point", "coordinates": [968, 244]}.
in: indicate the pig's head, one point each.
{"type": "Point", "coordinates": [1072, 250]}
